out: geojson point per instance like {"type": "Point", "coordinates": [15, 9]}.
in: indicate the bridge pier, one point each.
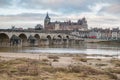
{"type": "Point", "coordinates": [44, 42]}
{"type": "Point", "coordinates": [31, 40]}
{"type": "Point", "coordinates": [71, 41]}
{"type": "Point", "coordinates": [15, 41]}
{"type": "Point", "coordinates": [37, 42]}
{"type": "Point", "coordinates": [24, 43]}
{"type": "Point", "coordinates": [15, 44]}
{"type": "Point", "coordinates": [4, 43]}
{"type": "Point", "coordinates": [65, 41]}
{"type": "Point", "coordinates": [79, 42]}
{"type": "Point", "coordinates": [57, 41]}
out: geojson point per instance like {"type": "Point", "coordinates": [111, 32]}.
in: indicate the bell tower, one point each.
{"type": "Point", "coordinates": [46, 21]}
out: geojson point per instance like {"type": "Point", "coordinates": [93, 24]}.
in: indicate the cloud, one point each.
{"type": "Point", "coordinates": [64, 6]}
{"type": "Point", "coordinates": [61, 6]}
{"type": "Point", "coordinates": [22, 17]}
{"type": "Point", "coordinates": [22, 20]}
{"type": "Point", "coordinates": [25, 12]}
{"type": "Point", "coordinates": [54, 5]}
{"type": "Point", "coordinates": [5, 3]}
{"type": "Point", "coordinates": [31, 19]}
{"type": "Point", "coordinates": [112, 9]}
{"type": "Point", "coordinates": [30, 16]}
{"type": "Point", "coordinates": [97, 7]}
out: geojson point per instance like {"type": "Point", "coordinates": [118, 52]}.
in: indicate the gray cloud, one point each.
{"type": "Point", "coordinates": [112, 9]}
{"type": "Point", "coordinates": [25, 17]}
{"type": "Point", "coordinates": [5, 3]}
{"type": "Point", "coordinates": [66, 7]}
{"type": "Point", "coordinates": [55, 5]}
{"type": "Point", "coordinates": [63, 6]}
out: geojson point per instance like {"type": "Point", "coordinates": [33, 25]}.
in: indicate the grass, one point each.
{"type": "Point", "coordinates": [82, 59]}
{"type": "Point", "coordinates": [29, 69]}
{"type": "Point", "coordinates": [55, 60]}
{"type": "Point", "coordinates": [45, 60]}
{"type": "Point", "coordinates": [101, 64]}
{"type": "Point", "coordinates": [113, 70]}
{"type": "Point", "coordinates": [53, 57]}
{"type": "Point", "coordinates": [116, 62]}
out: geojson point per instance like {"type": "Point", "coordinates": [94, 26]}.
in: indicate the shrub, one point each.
{"type": "Point", "coordinates": [101, 64]}
{"type": "Point", "coordinates": [53, 57]}
{"type": "Point", "coordinates": [45, 60]}
{"type": "Point", "coordinates": [85, 69]}
{"type": "Point", "coordinates": [81, 59]}
{"type": "Point", "coordinates": [111, 75]}
{"type": "Point", "coordinates": [33, 71]}
{"type": "Point", "coordinates": [22, 68]}
{"type": "Point", "coordinates": [116, 62]}
{"type": "Point", "coordinates": [55, 60]}
{"type": "Point", "coordinates": [114, 70]}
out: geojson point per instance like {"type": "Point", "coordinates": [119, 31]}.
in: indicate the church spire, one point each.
{"type": "Point", "coordinates": [46, 20]}
{"type": "Point", "coordinates": [47, 16]}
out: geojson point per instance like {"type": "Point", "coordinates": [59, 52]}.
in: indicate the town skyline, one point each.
{"type": "Point", "coordinates": [28, 13]}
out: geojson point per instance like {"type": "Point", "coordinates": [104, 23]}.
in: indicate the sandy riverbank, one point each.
{"type": "Point", "coordinates": [106, 67]}
{"type": "Point", "coordinates": [64, 59]}
{"type": "Point", "coordinates": [6, 55]}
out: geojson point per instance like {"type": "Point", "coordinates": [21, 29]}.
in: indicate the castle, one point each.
{"type": "Point", "coordinates": [81, 24]}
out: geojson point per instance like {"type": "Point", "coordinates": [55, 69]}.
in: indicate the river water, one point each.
{"type": "Point", "coordinates": [85, 48]}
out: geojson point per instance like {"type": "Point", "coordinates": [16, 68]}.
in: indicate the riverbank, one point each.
{"type": "Point", "coordinates": [44, 66]}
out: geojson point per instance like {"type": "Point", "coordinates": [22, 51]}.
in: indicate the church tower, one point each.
{"type": "Point", "coordinates": [46, 21]}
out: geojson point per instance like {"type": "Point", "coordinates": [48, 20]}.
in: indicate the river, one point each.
{"type": "Point", "coordinates": [85, 48]}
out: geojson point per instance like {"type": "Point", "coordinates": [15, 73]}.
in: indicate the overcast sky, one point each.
{"type": "Point", "coordinates": [28, 13]}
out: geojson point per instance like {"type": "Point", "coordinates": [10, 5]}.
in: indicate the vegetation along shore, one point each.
{"type": "Point", "coordinates": [44, 66]}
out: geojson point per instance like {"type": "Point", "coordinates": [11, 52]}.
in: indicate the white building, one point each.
{"type": "Point", "coordinates": [115, 33]}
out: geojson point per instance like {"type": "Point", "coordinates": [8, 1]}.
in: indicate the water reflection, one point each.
{"type": "Point", "coordinates": [88, 48]}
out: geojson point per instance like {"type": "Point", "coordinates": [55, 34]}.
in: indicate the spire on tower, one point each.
{"type": "Point", "coordinates": [47, 16]}
{"type": "Point", "coordinates": [47, 19]}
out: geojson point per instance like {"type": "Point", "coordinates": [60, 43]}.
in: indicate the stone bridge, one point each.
{"type": "Point", "coordinates": [34, 38]}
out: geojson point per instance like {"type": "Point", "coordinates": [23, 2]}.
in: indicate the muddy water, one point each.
{"type": "Point", "coordinates": [87, 48]}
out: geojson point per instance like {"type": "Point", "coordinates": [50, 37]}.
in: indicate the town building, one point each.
{"type": "Point", "coordinates": [100, 33]}
{"type": "Point", "coordinates": [81, 24]}
{"type": "Point", "coordinates": [115, 33]}
{"type": "Point", "coordinates": [95, 33]}
{"type": "Point", "coordinates": [80, 33]}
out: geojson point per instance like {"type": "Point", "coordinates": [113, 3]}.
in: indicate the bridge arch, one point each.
{"type": "Point", "coordinates": [37, 36]}
{"type": "Point", "coordinates": [4, 39]}
{"type": "Point", "coordinates": [49, 37]}
{"type": "Point", "coordinates": [23, 37]}
{"type": "Point", "coordinates": [67, 37]}
{"type": "Point", "coordinates": [4, 36]}
{"type": "Point", "coordinates": [59, 36]}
